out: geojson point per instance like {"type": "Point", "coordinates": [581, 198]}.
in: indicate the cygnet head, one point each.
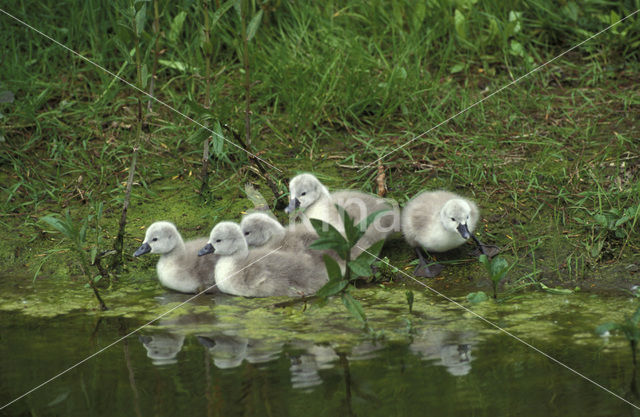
{"type": "Point", "coordinates": [304, 190]}
{"type": "Point", "coordinates": [161, 237]}
{"type": "Point", "coordinates": [225, 239]}
{"type": "Point", "coordinates": [259, 228]}
{"type": "Point", "coordinates": [455, 215]}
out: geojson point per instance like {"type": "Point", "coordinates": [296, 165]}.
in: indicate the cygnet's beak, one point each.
{"type": "Point", "coordinates": [293, 205]}
{"type": "Point", "coordinates": [145, 248]}
{"type": "Point", "coordinates": [464, 231]}
{"type": "Point", "coordinates": [206, 250]}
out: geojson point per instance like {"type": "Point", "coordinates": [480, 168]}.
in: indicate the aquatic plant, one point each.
{"type": "Point", "coordinates": [77, 233]}
{"type": "Point", "coordinates": [497, 269]}
{"type": "Point", "coordinates": [629, 327]}
{"type": "Point", "coordinates": [135, 18]}
{"type": "Point", "coordinates": [329, 238]}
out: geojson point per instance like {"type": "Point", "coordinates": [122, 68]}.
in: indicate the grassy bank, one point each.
{"type": "Point", "coordinates": [553, 161]}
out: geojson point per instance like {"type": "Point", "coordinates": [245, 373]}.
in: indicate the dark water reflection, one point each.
{"type": "Point", "coordinates": [194, 365]}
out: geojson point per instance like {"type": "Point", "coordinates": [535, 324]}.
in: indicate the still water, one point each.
{"type": "Point", "coordinates": [230, 356]}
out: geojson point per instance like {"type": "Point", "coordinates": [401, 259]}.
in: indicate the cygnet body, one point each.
{"type": "Point", "coordinates": [438, 221]}
{"type": "Point", "coordinates": [179, 267]}
{"type": "Point", "coordinates": [263, 231]}
{"type": "Point", "coordinates": [308, 194]}
{"type": "Point", "coordinates": [260, 272]}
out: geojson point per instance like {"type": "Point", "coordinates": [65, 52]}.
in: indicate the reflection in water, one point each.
{"type": "Point", "coordinates": [448, 349]}
{"type": "Point", "coordinates": [162, 348]}
{"type": "Point", "coordinates": [305, 366]}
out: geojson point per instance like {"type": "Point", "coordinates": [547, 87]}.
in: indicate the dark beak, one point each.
{"type": "Point", "coordinates": [206, 250]}
{"type": "Point", "coordinates": [464, 231]}
{"type": "Point", "coordinates": [145, 248]}
{"type": "Point", "coordinates": [293, 205]}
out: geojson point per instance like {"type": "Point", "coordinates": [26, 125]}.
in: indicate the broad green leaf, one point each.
{"type": "Point", "coordinates": [370, 254]}
{"type": "Point", "coordinates": [636, 317]}
{"type": "Point", "coordinates": [93, 254]}
{"type": "Point", "coordinates": [326, 230]}
{"type": "Point", "coordinates": [499, 267]}
{"type": "Point", "coordinates": [360, 268]}
{"type": "Point", "coordinates": [607, 327]}
{"type": "Point", "coordinates": [176, 26]}
{"type": "Point", "coordinates": [254, 25]}
{"type": "Point", "coordinates": [324, 243]}
{"type": "Point", "coordinates": [141, 16]}
{"type": "Point", "coordinates": [354, 307]}
{"type": "Point", "coordinates": [601, 219]}
{"type": "Point", "coordinates": [331, 288]}
{"type": "Point", "coordinates": [352, 233]}
{"type": "Point", "coordinates": [144, 74]}
{"type": "Point", "coordinates": [559, 291]}
{"type": "Point", "coordinates": [460, 24]}
{"type": "Point", "coordinates": [457, 68]}
{"type": "Point", "coordinates": [176, 65]}
{"type": "Point", "coordinates": [217, 143]}
{"type": "Point", "coordinates": [57, 224]}
{"type": "Point", "coordinates": [222, 10]}
{"type": "Point", "coordinates": [409, 295]}
{"type": "Point", "coordinates": [366, 222]}
{"type": "Point", "coordinates": [333, 268]}
{"type": "Point", "coordinates": [477, 297]}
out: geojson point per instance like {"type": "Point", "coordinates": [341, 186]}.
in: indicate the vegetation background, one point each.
{"type": "Point", "coordinates": [330, 86]}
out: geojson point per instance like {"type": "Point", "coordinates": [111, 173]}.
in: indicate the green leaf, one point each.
{"type": "Point", "coordinates": [559, 291]}
{"type": "Point", "coordinates": [601, 219]}
{"type": "Point", "coordinates": [176, 26]}
{"type": "Point", "coordinates": [360, 268]}
{"type": "Point", "coordinates": [176, 65]}
{"type": "Point", "coordinates": [331, 288]}
{"type": "Point", "coordinates": [254, 25]}
{"type": "Point", "coordinates": [499, 267]}
{"type": "Point", "coordinates": [366, 222]}
{"type": "Point", "coordinates": [141, 16]}
{"type": "Point", "coordinates": [352, 233]}
{"type": "Point", "coordinates": [222, 10]}
{"type": "Point", "coordinates": [607, 327]}
{"type": "Point", "coordinates": [58, 224]}
{"type": "Point", "coordinates": [409, 295]}
{"type": "Point", "coordinates": [333, 268]}
{"type": "Point", "coordinates": [324, 229]}
{"type": "Point", "coordinates": [477, 297]}
{"type": "Point", "coordinates": [326, 243]}
{"type": "Point", "coordinates": [144, 74]}
{"type": "Point", "coordinates": [354, 307]}
{"type": "Point", "coordinates": [457, 68]}
{"type": "Point", "coordinates": [460, 24]}
{"type": "Point", "coordinates": [636, 317]}
{"type": "Point", "coordinates": [370, 255]}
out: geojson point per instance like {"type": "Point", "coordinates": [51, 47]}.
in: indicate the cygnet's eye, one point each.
{"type": "Point", "coordinates": [218, 240]}
{"type": "Point", "coordinates": [303, 194]}
{"type": "Point", "coordinates": [247, 233]}
{"type": "Point", "coordinates": [154, 239]}
{"type": "Point", "coordinates": [453, 219]}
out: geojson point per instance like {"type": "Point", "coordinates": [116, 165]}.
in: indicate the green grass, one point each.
{"type": "Point", "coordinates": [335, 85]}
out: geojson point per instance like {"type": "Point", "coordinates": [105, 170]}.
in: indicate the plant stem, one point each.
{"type": "Point", "coordinates": [156, 52]}
{"type": "Point", "coordinates": [247, 78]}
{"type": "Point", "coordinates": [207, 96]}
{"type": "Point", "coordinates": [119, 243]}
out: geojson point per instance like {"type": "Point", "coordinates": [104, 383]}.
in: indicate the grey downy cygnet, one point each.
{"type": "Point", "coordinates": [262, 230]}
{"type": "Point", "coordinates": [437, 221]}
{"type": "Point", "coordinates": [309, 195]}
{"type": "Point", "coordinates": [179, 267]}
{"type": "Point", "coordinates": [260, 272]}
